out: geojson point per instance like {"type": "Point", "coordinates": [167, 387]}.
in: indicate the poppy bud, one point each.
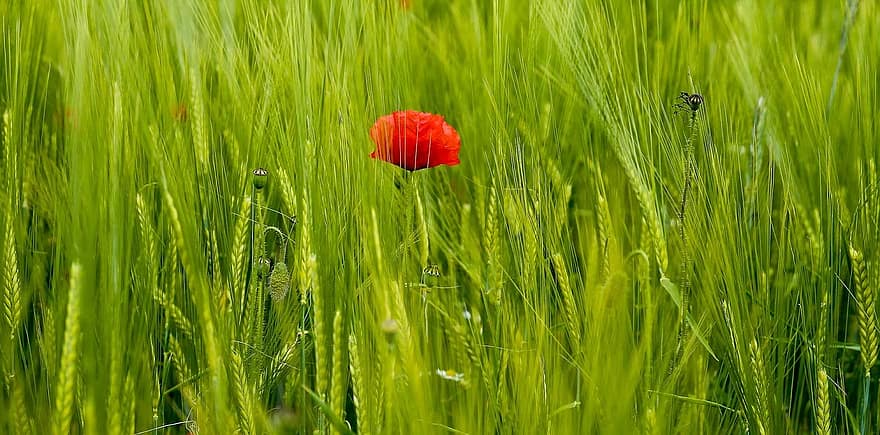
{"type": "Point", "coordinates": [260, 177]}
{"type": "Point", "coordinates": [263, 265]}
{"type": "Point", "coordinates": [278, 281]}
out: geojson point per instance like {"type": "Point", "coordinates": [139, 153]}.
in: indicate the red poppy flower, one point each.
{"type": "Point", "coordinates": [415, 140]}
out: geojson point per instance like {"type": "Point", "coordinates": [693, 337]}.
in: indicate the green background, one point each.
{"type": "Point", "coordinates": [606, 264]}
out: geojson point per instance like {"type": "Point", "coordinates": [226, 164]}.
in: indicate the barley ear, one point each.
{"type": "Point", "coordinates": [604, 223]}
{"type": "Point", "coordinates": [240, 251]}
{"type": "Point", "coordinates": [304, 275]}
{"type": "Point", "coordinates": [319, 330]}
{"type": "Point", "coordinates": [23, 422]}
{"type": "Point", "coordinates": [181, 321]}
{"type": "Point", "coordinates": [200, 139]}
{"type": "Point", "coordinates": [865, 305]}
{"type": "Point", "coordinates": [823, 404]}
{"type": "Point", "coordinates": [184, 374]}
{"type": "Point", "coordinates": [568, 302]}
{"type": "Point", "coordinates": [242, 394]}
{"type": "Point", "coordinates": [12, 287]}
{"type": "Point", "coordinates": [202, 300]}
{"type": "Point", "coordinates": [360, 395]}
{"type": "Point", "coordinates": [67, 374]}
{"type": "Point", "coordinates": [490, 245]}
{"type": "Point", "coordinates": [115, 410]}
{"type": "Point", "coordinates": [339, 383]}
{"type": "Point", "coordinates": [48, 341]}
{"type": "Point", "coordinates": [762, 410]}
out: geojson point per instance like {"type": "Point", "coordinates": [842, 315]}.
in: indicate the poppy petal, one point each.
{"type": "Point", "coordinates": [415, 140]}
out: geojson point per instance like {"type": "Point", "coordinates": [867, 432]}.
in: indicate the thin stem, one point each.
{"type": "Point", "coordinates": [863, 403]}
{"type": "Point", "coordinates": [282, 241]}
{"type": "Point", "coordinates": [853, 6]}
{"type": "Point", "coordinates": [685, 262]}
{"type": "Point", "coordinates": [250, 266]}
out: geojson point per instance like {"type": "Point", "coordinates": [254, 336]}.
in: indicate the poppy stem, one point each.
{"type": "Point", "coordinates": [409, 209]}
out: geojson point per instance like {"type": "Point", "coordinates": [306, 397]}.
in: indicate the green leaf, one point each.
{"type": "Point", "coordinates": [673, 291]}
{"type": "Point", "coordinates": [331, 416]}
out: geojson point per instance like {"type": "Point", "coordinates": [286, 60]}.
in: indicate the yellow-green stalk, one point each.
{"type": "Point", "coordinates": [380, 268]}
{"type": "Point", "coordinates": [530, 250]}
{"type": "Point", "coordinates": [172, 271]}
{"type": "Point", "coordinates": [388, 368]}
{"type": "Point", "coordinates": [604, 222]}
{"type": "Point", "coordinates": [821, 333]}
{"type": "Point", "coordinates": [423, 232]}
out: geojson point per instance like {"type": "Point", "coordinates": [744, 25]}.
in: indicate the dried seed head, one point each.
{"type": "Point", "coordinates": [688, 102]}
{"type": "Point", "coordinates": [431, 270]}
{"type": "Point", "coordinates": [694, 101]}
{"type": "Point", "coordinates": [261, 176]}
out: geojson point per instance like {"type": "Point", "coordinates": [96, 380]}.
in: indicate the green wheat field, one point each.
{"type": "Point", "coordinates": [195, 240]}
